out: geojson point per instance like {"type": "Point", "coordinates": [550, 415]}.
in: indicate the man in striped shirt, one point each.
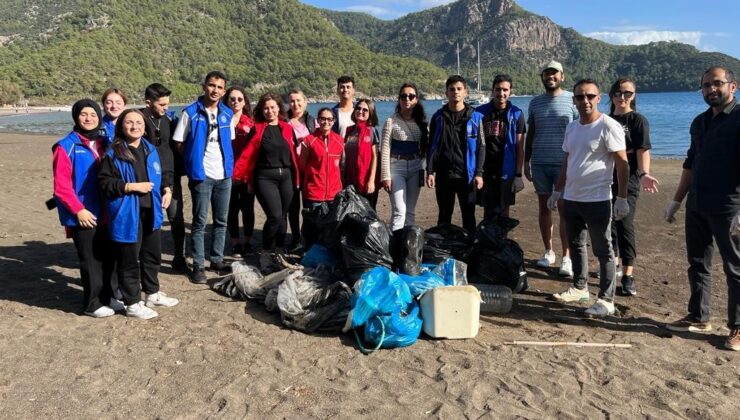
{"type": "Point", "coordinates": [548, 116]}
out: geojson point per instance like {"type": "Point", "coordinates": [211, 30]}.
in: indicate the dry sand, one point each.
{"type": "Point", "coordinates": [211, 357]}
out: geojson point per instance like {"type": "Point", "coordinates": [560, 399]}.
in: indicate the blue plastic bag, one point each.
{"type": "Point", "coordinates": [319, 255]}
{"type": "Point", "coordinates": [423, 282]}
{"type": "Point", "coordinates": [400, 329]}
{"type": "Point", "coordinates": [379, 292]}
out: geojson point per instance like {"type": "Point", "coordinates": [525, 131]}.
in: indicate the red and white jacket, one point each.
{"type": "Point", "coordinates": [320, 171]}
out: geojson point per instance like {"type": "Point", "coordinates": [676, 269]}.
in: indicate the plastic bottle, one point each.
{"type": "Point", "coordinates": [496, 299]}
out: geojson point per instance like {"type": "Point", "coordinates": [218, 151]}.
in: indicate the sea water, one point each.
{"type": "Point", "coordinates": [669, 114]}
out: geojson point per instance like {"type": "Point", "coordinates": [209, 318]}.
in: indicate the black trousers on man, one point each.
{"type": "Point", "coordinates": [701, 230]}
{"type": "Point", "coordinates": [446, 190]}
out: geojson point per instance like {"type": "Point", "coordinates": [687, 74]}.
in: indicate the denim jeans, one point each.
{"type": "Point", "coordinates": [217, 194]}
{"type": "Point", "coordinates": [404, 191]}
{"type": "Point", "coordinates": [594, 218]}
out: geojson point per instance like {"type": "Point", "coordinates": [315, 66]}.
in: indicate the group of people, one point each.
{"type": "Point", "coordinates": [117, 175]}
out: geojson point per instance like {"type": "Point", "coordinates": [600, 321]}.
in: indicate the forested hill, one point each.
{"type": "Point", "coordinates": [518, 42]}
{"type": "Point", "coordinates": [53, 52]}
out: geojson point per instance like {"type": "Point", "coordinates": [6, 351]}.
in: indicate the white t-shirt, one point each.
{"type": "Point", "coordinates": [345, 120]}
{"type": "Point", "coordinates": [590, 160]}
{"type": "Point", "coordinates": [213, 160]}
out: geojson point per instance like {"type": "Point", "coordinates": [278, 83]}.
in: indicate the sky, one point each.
{"type": "Point", "coordinates": [624, 22]}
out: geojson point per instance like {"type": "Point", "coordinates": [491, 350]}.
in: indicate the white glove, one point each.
{"type": "Point", "coordinates": [669, 214]}
{"type": "Point", "coordinates": [735, 224]}
{"type": "Point", "coordinates": [621, 208]}
{"type": "Point", "coordinates": [518, 185]}
{"type": "Point", "coordinates": [552, 202]}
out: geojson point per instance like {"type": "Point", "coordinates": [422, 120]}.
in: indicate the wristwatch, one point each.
{"type": "Point", "coordinates": [641, 173]}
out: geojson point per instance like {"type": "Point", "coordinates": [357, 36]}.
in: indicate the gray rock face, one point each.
{"type": "Point", "coordinates": [532, 33]}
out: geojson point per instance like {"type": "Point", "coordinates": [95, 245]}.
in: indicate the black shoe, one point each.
{"type": "Point", "coordinates": [179, 264]}
{"type": "Point", "coordinates": [237, 251]}
{"type": "Point", "coordinates": [198, 276]}
{"type": "Point", "coordinates": [220, 267]}
{"type": "Point", "coordinates": [628, 286]}
{"type": "Point", "coordinates": [247, 249]}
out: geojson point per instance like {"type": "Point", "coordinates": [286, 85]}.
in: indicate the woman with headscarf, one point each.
{"type": "Point", "coordinates": [76, 159]}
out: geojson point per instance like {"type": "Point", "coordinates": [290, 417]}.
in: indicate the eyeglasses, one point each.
{"type": "Point", "coordinates": [236, 99]}
{"type": "Point", "coordinates": [714, 83]}
{"type": "Point", "coordinates": [407, 96]}
{"type": "Point", "coordinates": [625, 94]}
{"type": "Point", "coordinates": [362, 110]}
{"type": "Point", "coordinates": [589, 96]}
{"type": "Point", "coordinates": [325, 119]}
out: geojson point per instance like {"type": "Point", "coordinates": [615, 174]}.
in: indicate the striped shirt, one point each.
{"type": "Point", "coordinates": [551, 115]}
{"type": "Point", "coordinates": [396, 129]}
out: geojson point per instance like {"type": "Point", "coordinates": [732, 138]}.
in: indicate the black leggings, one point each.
{"type": "Point", "coordinates": [96, 266]}
{"type": "Point", "coordinates": [274, 189]}
{"type": "Point", "coordinates": [138, 263]}
{"type": "Point", "coordinates": [623, 231]}
{"type": "Point", "coordinates": [294, 218]}
{"type": "Point", "coordinates": [241, 201]}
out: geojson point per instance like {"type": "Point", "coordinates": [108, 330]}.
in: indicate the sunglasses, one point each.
{"type": "Point", "coordinates": [325, 119]}
{"type": "Point", "coordinates": [714, 84]}
{"type": "Point", "coordinates": [624, 94]}
{"type": "Point", "coordinates": [407, 96]}
{"type": "Point", "coordinates": [236, 99]}
{"type": "Point", "coordinates": [362, 110]}
{"type": "Point", "coordinates": [589, 96]}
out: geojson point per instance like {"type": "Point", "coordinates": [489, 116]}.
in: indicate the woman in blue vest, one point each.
{"type": "Point", "coordinates": [76, 160]}
{"type": "Point", "coordinates": [130, 177]}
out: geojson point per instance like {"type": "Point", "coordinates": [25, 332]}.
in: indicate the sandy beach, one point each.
{"type": "Point", "coordinates": [211, 357]}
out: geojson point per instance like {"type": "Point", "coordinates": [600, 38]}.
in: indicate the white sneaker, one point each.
{"type": "Point", "coordinates": [117, 305]}
{"type": "Point", "coordinates": [101, 312]}
{"type": "Point", "coordinates": [573, 295]}
{"type": "Point", "coordinates": [601, 308]}
{"type": "Point", "coordinates": [548, 259]}
{"type": "Point", "coordinates": [160, 299]}
{"type": "Point", "coordinates": [139, 310]}
{"type": "Point", "coordinates": [566, 267]}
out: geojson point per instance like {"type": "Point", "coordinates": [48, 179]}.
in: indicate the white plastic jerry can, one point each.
{"type": "Point", "coordinates": [451, 312]}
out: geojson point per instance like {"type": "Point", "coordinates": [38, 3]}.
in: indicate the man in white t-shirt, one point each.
{"type": "Point", "coordinates": [343, 110]}
{"type": "Point", "coordinates": [204, 135]}
{"type": "Point", "coordinates": [593, 146]}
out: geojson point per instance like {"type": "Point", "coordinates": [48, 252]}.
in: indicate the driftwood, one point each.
{"type": "Point", "coordinates": [566, 344]}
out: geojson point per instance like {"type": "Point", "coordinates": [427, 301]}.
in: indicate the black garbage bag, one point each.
{"type": "Point", "coordinates": [446, 241]}
{"type": "Point", "coordinates": [313, 300]}
{"type": "Point", "coordinates": [329, 220]}
{"type": "Point", "coordinates": [407, 249]}
{"type": "Point", "coordinates": [313, 220]}
{"type": "Point", "coordinates": [492, 233]}
{"type": "Point", "coordinates": [365, 244]}
{"type": "Point", "coordinates": [503, 266]}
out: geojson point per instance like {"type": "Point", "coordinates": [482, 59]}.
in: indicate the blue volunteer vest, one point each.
{"type": "Point", "coordinates": [508, 171]}
{"type": "Point", "coordinates": [194, 146]}
{"type": "Point", "coordinates": [472, 126]}
{"type": "Point", "coordinates": [84, 179]}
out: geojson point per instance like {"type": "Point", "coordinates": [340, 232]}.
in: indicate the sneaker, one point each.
{"type": "Point", "coordinates": [688, 323]}
{"type": "Point", "coordinates": [179, 264]}
{"type": "Point", "coordinates": [628, 286]}
{"type": "Point", "coordinates": [116, 305]}
{"type": "Point", "coordinates": [160, 299]}
{"type": "Point", "coordinates": [236, 251]}
{"type": "Point", "coordinates": [139, 310]}
{"type": "Point", "coordinates": [573, 295]}
{"type": "Point", "coordinates": [733, 340]}
{"type": "Point", "coordinates": [101, 312]}
{"type": "Point", "coordinates": [198, 276]}
{"type": "Point", "coordinates": [601, 308]}
{"type": "Point", "coordinates": [220, 267]}
{"type": "Point", "coordinates": [566, 267]}
{"type": "Point", "coordinates": [548, 259]}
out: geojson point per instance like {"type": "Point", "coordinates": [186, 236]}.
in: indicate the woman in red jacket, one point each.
{"type": "Point", "coordinates": [269, 165]}
{"type": "Point", "coordinates": [322, 153]}
{"type": "Point", "coordinates": [242, 200]}
{"type": "Point", "coordinates": [361, 151]}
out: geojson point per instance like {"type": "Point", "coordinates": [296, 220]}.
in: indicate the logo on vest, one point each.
{"type": "Point", "coordinates": [223, 119]}
{"type": "Point", "coordinates": [157, 168]}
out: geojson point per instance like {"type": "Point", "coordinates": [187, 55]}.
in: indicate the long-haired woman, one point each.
{"type": "Point", "coordinates": [402, 146]}
{"type": "Point", "coordinates": [114, 102]}
{"type": "Point", "coordinates": [361, 151]}
{"type": "Point", "coordinates": [130, 177]}
{"type": "Point", "coordinates": [269, 164]}
{"type": "Point", "coordinates": [623, 95]}
{"type": "Point", "coordinates": [242, 200]}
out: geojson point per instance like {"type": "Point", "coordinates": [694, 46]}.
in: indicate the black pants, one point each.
{"type": "Point", "coordinates": [241, 201]}
{"type": "Point", "coordinates": [701, 231]}
{"type": "Point", "coordinates": [445, 191]}
{"type": "Point", "coordinates": [175, 216]}
{"type": "Point", "coordinates": [496, 196]}
{"type": "Point", "coordinates": [96, 266]}
{"type": "Point", "coordinates": [274, 189]}
{"type": "Point", "coordinates": [623, 231]}
{"type": "Point", "coordinates": [138, 263]}
{"type": "Point", "coordinates": [372, 198]}
{"type": "Point", "coordinates": [294, 218]}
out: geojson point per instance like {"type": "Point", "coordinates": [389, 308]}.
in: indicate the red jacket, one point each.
{"type": "Point", "coordinates": [321, 174]}
{"type": "Point", "coordinates": [244, 167]}
{"type": "Point", "coordinates": [243, 127]}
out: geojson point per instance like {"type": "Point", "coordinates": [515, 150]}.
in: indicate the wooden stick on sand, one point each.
{"type": "Point", "coordinates": [566, 344]}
